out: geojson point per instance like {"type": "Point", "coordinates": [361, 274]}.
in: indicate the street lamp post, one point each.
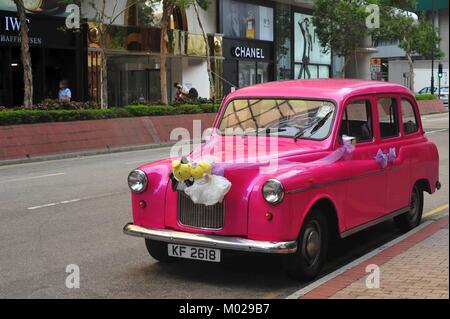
{"type": "Point", "coordinates": [432, 51]}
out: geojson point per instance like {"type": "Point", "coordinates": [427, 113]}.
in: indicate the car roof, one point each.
{"type": "Point", "coordinates": [331, 89]}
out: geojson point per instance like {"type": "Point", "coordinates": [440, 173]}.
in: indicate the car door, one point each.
{"type": "Point", "coordinates": [390, 136]}
{"type": "Point", "coordinates": [365, 180]}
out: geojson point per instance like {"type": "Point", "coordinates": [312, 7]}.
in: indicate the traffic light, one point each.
{"type": "Point", "coordinates": [440, 72]}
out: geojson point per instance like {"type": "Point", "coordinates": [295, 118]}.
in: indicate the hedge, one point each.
{"type": "Point", "coordinates": [424, 97]}
{"type": "Point", "coordinates": [26, 116]}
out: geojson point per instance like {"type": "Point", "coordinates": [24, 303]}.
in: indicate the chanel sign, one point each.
{"type": "Point", "coordinates": [249, 53]}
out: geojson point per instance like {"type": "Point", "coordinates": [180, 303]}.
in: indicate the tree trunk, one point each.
{"type": "Point", "coordinates": [167, 12]}
{"type": "Point", "coordinates": [104, 73]}
{"type": "Point", "coordinates": [344, 67]}
{"type": "Point", "coordinates": [411, 71]}
{"type": "Point", "coordinates": [25, 56]}
{"type": "Point", "coordinates": [408, 52]}
{"type": "Point", "coordinates": [208, 57]}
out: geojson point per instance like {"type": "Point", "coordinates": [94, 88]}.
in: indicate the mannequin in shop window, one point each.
{"type": "Point", "coordinates": [64, 93]}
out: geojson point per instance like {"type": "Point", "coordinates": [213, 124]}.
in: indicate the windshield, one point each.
{"type": "Point", "coordinates": [299, 119]}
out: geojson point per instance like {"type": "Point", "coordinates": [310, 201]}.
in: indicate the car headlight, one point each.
{"type": "Point", "coordinates": [137, 181]}
{"type": "Point", "coordinates": [273, 191]}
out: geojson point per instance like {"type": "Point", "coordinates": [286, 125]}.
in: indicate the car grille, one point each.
{"type": "Point", "coordinates": [199, 216]}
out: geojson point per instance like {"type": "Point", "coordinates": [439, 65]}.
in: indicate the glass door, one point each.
{"type": "Point", "coordinates": [262, 72]}
{"type": "Point", "coordinates": [247, 73]}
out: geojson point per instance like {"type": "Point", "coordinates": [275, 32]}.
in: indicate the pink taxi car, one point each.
{"type": "Point", "coordinates": [350, 154]}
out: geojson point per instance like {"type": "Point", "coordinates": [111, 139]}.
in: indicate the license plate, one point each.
{"type": "Point", "coordinates": [197, 253]}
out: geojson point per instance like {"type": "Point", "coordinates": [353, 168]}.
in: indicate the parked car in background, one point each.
{"type": "Point", "coordinates": [442, 95]}
{"type": "Point", "coordinates": [351, 154]}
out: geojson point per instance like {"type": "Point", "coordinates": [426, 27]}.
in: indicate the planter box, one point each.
{"type": "Point", "coordinates": [35, 140]}
{"type": "Point", "coordinates": [431, 106]}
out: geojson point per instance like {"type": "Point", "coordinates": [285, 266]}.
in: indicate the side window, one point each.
{"type": "Point", "coordinates": [388, 116]}
{"type": "Point", "coordinates": [409, 117]}
{"type": "Point", "coordinates": [357, 121]}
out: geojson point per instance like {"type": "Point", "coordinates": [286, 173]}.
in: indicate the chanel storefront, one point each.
{"type": "Point", "coordinates": [56, 54]}
{"type": "Point", "coordinates": [246, 63]}
{"type": "Point", "coordinates": [248, 43]}
{"type": "Point", "coordinates": [270, 40]}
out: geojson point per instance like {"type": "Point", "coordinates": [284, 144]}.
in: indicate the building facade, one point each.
{"type": "Point", "coordinates": [56, 54]}
{"type": "Point", "coordinates": [251, 41]}
{"type": "Point", "coordinates": [395, 68]}
{"type": "Point", "coordinates": [269, 40]}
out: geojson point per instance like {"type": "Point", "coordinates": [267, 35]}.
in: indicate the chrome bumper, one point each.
{"type": "Point", "coordinates": [212, 241]}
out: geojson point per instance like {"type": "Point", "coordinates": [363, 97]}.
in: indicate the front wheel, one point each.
{"type": "Point", "coordinates": [413, 217]}
{"type": "Point", "coordinates": [306, 263]}
{"type": "Point", "coordinates": [158, 250]}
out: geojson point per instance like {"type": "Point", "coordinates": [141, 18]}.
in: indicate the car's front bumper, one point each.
{"type": "Point", "coordinates": [212, 241]}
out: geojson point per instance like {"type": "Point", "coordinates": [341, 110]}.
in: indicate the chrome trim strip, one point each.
{"type": "Point", "coordinates": [300, 190]}
{"type": "Point", "coordinates": [359, 228]}
{"type": "Point", "coordinates": [211, 241]}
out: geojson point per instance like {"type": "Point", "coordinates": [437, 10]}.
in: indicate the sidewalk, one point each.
{"type": "Point", "coordinates": [416, 267]}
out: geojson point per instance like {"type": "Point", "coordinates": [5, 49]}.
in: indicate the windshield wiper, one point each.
{"type": "Point", "coordinates": [268, 131]}
{"type": "Point", "coordinates": [321, 123]}
{"type": "Point", "coordinates": [316, 127]}
{"type": "Point", "coordinates": [299, 134]}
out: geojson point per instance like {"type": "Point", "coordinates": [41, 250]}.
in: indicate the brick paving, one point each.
{"type": "Point", "coordinates": [420, 272]}
{"type": "Point", "coordinates": [415, 268]}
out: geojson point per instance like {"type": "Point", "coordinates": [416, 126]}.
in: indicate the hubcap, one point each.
{"type": "Point", "coordinates": [312, 243]}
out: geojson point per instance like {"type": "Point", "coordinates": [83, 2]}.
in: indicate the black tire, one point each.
{"type": "Point", "coordinates": [306, 263]}
{"type": "Point", "coordinates": [411, 219]}
{"type": "Point", "coordinates": [158, 250]}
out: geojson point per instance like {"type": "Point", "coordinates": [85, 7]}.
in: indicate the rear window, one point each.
{"type": "Point", "coordinates": [409, 117]}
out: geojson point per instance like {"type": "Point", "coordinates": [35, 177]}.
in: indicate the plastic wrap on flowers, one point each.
{"type": "Point", "coordinates": [209, 191]}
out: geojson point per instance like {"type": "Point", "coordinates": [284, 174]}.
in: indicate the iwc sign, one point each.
{"type": "Point", "coordinates": [11, 25]}
{"type": "Point", "coordinates": [248, 53]}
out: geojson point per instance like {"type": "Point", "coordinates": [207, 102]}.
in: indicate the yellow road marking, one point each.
{"type": "Point", "coordinates": [436, 210]}
{"type": "Point", "coordinates": [272, 295]}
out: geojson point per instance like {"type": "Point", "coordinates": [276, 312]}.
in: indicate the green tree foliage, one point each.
{"type": "Point", "coordinates": [417, 36]}
{"type": "Point", "coordinates": [340, 26]}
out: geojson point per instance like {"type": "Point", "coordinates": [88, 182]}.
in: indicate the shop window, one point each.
{"type": "Point", "coordinates": [324, 71]}
{"type": "Point", "coordinates": [251, 73]}
{"type": "Point", "coordinates": [132, 79]}
{"type": "Point", "coordinates": [388, 117]}
{"type": "Point", "coordinates": [310, 58]}
{"type": "Point", "coordinates": [132, 13]}
{"type": "Point", "coordinates": [245, 20]}
{"type": "Point", "coordinates": [311, 71]}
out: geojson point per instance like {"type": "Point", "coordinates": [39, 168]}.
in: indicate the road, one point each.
{"type": "Point", "coordinates": [72, 211]}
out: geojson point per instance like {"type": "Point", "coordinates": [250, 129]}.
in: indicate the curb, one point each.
{"type": "Point", "coordinates": [84, 154]}
{"type": "Point", "coordinates": [329, 285]}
